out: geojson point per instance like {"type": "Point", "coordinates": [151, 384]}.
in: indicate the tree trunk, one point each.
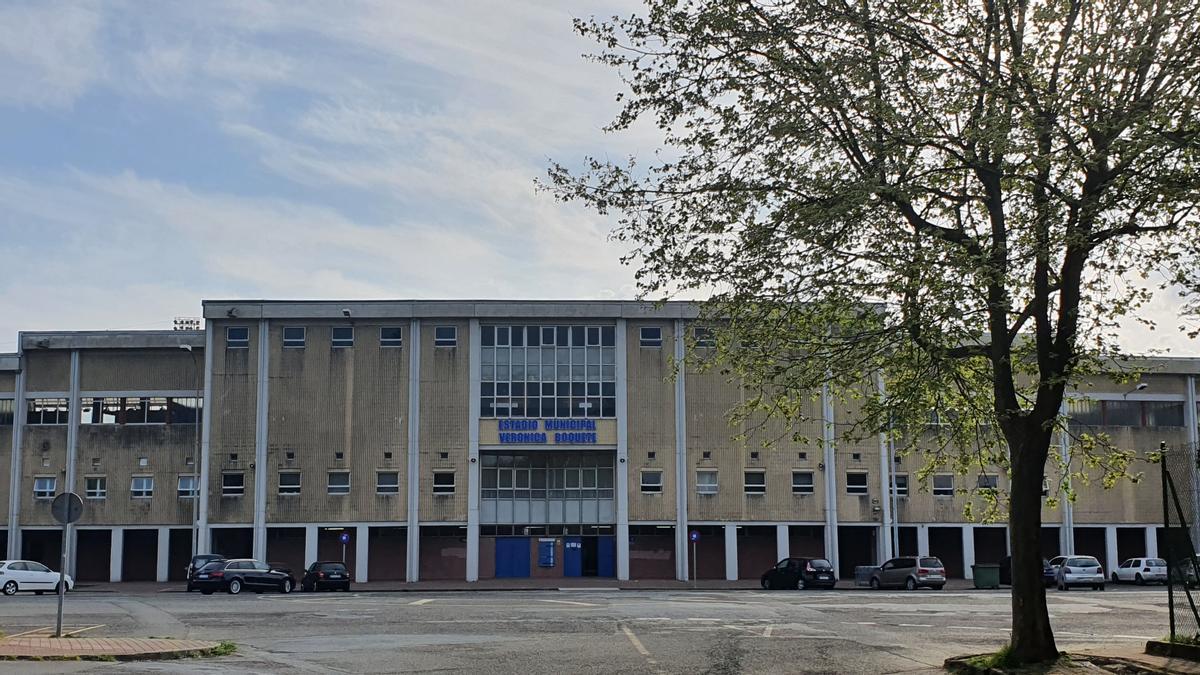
{"type": "Point", "coordinates": [1032, 637]}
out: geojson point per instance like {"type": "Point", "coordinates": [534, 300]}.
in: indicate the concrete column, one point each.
{"type": "Point", "coordinates": [831, 481]}
{"type": "Point", "coordinates": [14, 477]}
{"type": "Point", "coordinates": [922, 540]}
{"type": "Point", "coordinates": [310, 545]}
{"type": "Point", "coordinates": [116, 554]}
{"type": "Point", "coordinates": [731, 560]}
{"type": "Point", "coordinates": [1110, 549]}
{"type": "Point", "coordinates": [362, 553]}
{"type": "Point", "coordinates": [164, 552]}
{"type": "Point", "coordinates": [682, 564]}
{"type": "Point", "coordinates": [1193, 436]}
{"type": "Point", "coordinates": [261, 435]}
{"type": "Point", "coordinates": [204, 538]}
{"type": "Point", "coordinates": [783, 542]}
{"type": "Point", "coordinates": [968, 547]}
{"type": "Point", "coordinates": [72, 454]}
{"type": "Point", "coordinates": [1066, 533]}
{"type": "Point", "coordinates": [1151, 542]}
{"type": "Point", "coordinates": [886, 485]}
{"type": "Point", "coordinates": [622, 466]}
{"type": "Point", "coordinates": [473, 479]}
{"type": "Point", "coordinates": [412, 539]}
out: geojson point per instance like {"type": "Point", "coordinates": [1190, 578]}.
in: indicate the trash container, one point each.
{"type": "Point", "coordinates": [862, 574]}
{"type": "Point", "coordinates": [987, 575]}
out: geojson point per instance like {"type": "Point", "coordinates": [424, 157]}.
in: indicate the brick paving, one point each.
{"type": "Point", "coordinates": [93, 647]}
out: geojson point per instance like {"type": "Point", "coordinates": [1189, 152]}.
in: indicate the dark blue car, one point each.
{"type": "Point", "coordinates": [1006, 571]}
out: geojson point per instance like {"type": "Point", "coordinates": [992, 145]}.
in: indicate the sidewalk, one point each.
{"type": "Point", "coordinates": [101, 649]}
{"type": "Point", "coordinates": [1133, 654]}
{"type": "Point", "coordinates": [575, 583]}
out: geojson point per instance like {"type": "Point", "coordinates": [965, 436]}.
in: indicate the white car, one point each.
{"type": "Point", "coordinates": [28, 575]}
{"type": "Point", "coordinates": [1080, 570]}
{"type": "Point", "coordinates": [1141, 571]}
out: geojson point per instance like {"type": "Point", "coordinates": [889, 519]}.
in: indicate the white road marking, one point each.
{"type": "Point", "coordinates": [571, 602]}
{"type": "Point", "coordinates": [690, 618]}
{"type": "Point", "coordinates": [426, 601]}
{"type": "Point", "coordinates": [916, 625]}
{"type": "Point", "coordinates": [637, 644]}
{"type": "Point", "coordinates": [768, 630]}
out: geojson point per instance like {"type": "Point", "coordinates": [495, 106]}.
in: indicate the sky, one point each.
{"type": "Point", "coordinates": [156, 154]}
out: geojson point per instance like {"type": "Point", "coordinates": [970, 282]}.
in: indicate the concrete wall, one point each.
{"type": "Point", "coordinates": [232, 412]}
{"type": "Point", "coordinates": [445, 422]}
{"type": "Point", "coordinates": [651, 421]}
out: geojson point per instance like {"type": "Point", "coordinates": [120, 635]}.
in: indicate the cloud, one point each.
{"type": "Point", "coordinates": [50, 53]}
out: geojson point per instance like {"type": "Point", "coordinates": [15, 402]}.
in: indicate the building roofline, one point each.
{"type": "Point", "coordinates": [110, 339]}
{"type": "Point", "coordinates": [450, 309]}
{"type": "Point", "coordinates": [10, 363]}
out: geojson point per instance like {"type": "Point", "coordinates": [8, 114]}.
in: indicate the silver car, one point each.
{"type": "Point", "coordinates": [911, 573]}
{"type": "Point", "coordinates": [1080, 570]}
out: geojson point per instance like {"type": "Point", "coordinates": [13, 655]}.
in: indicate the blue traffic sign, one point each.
{"type": "Point", "coordinates": [344, 537]}
{"type": "Point", "coordinates": [694, 535]}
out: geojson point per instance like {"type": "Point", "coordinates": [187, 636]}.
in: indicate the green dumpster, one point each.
{"type": "Point", "coordinates": [987, 575]}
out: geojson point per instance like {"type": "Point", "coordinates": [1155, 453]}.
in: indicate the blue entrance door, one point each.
{"type": "Point", "coordinates": [573, 557]}
{"type": "Point", "coordinates": [606, 557]}
{"type": "Point", "coordinates": [512, 557]}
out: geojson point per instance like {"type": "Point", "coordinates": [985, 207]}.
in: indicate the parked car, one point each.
{"type": "Point", "coordinates": [910, 573]}
{"type": "Point", "coordinates": [326, 575]}
{"type": "Point", "coordinates": [800, 573]}
{"type": "Point", "coordinates": [234, 576]}
{"type": "Point", "coordinates": [1006, 571]}
{"type": "Point", "coordinates": [284, 568]}
{"type": "Point", "coordinates": [1141, 571]}
{"type": "Point", "coordinates": [1080, 570]}
{"type": "Point", "coordinates": [29, 575]}
{"type": "Point", "coordinates": [196, 563]}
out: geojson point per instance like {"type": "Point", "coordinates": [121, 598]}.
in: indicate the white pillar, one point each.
{"type": "Point", "coordinates": [412, 539]}
{"type": "Point", "coordinates": [362, 553]}
{"type": "Point", "coordinates": [682, 565]}
{"type": "Point", "coordinates": [14, 476]}
{"type": "Point", "coordinates": [261, 437]}
{"type": "Point", "coordinates": [887, 470]}
{"type": "Point", "coordinates": [204, 535]}
{"type": "Point", "coordinates": [1066, 533]}
{"type": "Point", "coordinates": [310, 545]}
{"type": "Point", "coordinates": [1193, 447]}
{"type": "Point", "coordinates": [1151, 541]}
{"type": "Point", "coordinates": [116, 556]}
{"type": "Point", "coordinates": [72, 456]}
{"type": "Point", "coordinates": [783, 542]}
{"type": "Point", "coordinates": [622, 472]}
{"type": "Point", "coordinates": [922, 540]}
{"type": "Point", "coordinates": [1110, 549]}
{"type": "Point", "coordinates": [473, 477]}
{"type": "Point", "coordinates": [968, 547]}
{"type": "Point", "coordinates": [731, 563]}
{"type": "Point", "coordinates": [831, 481]}
{"type": "Point", "coordinates": [164, 553]}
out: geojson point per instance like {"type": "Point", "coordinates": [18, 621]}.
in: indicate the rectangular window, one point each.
{"type": "Point", "coordinates": [443, 482]}
{"type": "Point", "coordinates": [46, 411]}
{"type": "Point", "coordinates": [289, 482]}
{"type": "Point", "coordinates": [186, 489]}
{"type": "Point", "coordinates": [339, 482]}
{"type": "Point", "coordinates": [652, 481]}
{"type": "Point", "coordinates": [387, 483]}
{"type": "Point", "coordinates": [706, 483]}
{"type": "Point", "coordinates": [900, 485]}
{"type": "Point", "coordinates": [1122, 414]}
{"type": "Point", "coordinates": [139, 410]}
{"type": "Point", "coordinates": [1158, 414]}
{"type": "Point", "coordinates": [95, 487]}
{"type": "Point", "coordinates": [755, 482]}
{"type": "Point", "coordinates": [44, 487]}
{"type": "Point", "coordinates": [7, 405]}
{"type": "Point", "coordinates": [988, 481]}
{"type": "Point", "coordinates": [342, 336]}
{"type": "Point", "coordinates": [141, 487]}
{"type": "Point", "coordinates": [233, 484]}
{"type": "Point", "coordinates": [293, 337]}
{"type": "Point", "coordinates": [445, 336]}
{"type": "Point", "coordinates": [237, 337]}
{"type": "Point", "coordinates": [650, 336]}
{"type": "Point", "coordinates": [547, 371]}
{"type": "Point", "coordinates": [802, 482]}
{"type": "Point", "coordinates": [391, 336]}
{"type": "Point", "coordinates": [704, 337]}
{"type": "Point", "coordinates": [943, 485]}
{"type": "Point", "coordinates": [1083, 412]}
{"type": "Point", "coordinates": [856, 483]}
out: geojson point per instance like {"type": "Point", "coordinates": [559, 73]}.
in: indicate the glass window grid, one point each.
{"type": "Point", "coordinates": [856, 483]}
{"type": "Point", "coordinates": [443, 483]}
{"type": "Point", "coordinates": [341, 337]}
{"type": "Point", "coordinates": [293, 337]}
{"type": "Point", "coordinates": [140, 410]}
{"type": "Point", "coordinates": [1137, 414]}
{"type": "Point", "coordinates": [289, 482]}
{"type": "Point", "coordinates": [95, 487]}
{"type": "Point", "coordinates": [548, 371]}
{"type": "Point", "coordinates": [46, 411]}
{"type": "Point", "coordinates": [44, 487]}
{"type": "Point", "coordinates": [802, 483]}
{"type": "Point", "coordinates": [445, 336]}
{"type": "Point", "coordinates": [391, 336]}
{"type": "Point", "coordinates": [547, 476]}
{"type": "Point", "coordinates": [7, 414]}
{"type": "Point", "coordinates": [187, 487]}
{"type": "Point", "coordinates": [141, 487]}
{"type": "Point", "coordinates": [707, 482]}
{"type": "Point", "coordinates": [237, 337]}
{"type": "Point", "coordinates": [754, 482]}
{"type": "Point", "coordinates": [387, 483]}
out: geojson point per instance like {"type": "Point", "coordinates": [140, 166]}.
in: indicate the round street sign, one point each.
{"type": "Point", "coordinates": [67, 508]}
{"type": "Point", "coordinates": [344, 537]}
{"type": "Point", "coordinates": [694, 535]}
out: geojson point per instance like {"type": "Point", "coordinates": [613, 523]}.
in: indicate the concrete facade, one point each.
{"type": "Point", "coordinates": [402, 425]}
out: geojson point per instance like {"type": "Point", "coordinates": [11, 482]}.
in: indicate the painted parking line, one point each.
{"type": "Point", "coordinates": [570, 602]}
{"type": "Point", "coordinates": [641, 649]}
{"type": "Point", "coordinates": [426, 601]}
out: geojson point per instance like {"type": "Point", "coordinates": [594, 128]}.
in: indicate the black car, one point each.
{"type": "Point", "coordinates": [800, 573]}
{"type": "Point", "coordinates": [326, 575]}
{"type": "Point", "coordinates": [1006, 572]}
{"type": "Point", "coordinates": [235, 576]}
{"type": "Point", "coordinates": [196, 563]}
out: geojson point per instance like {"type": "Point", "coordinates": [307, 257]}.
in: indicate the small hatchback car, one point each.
{"type": "Point", "coordinates": [799, 573]}
{"type": "Point", "coordinates": [29, 575]}
{"type": "Point", "coordinates": [1080, 570]}
{"type": "Point", "coordinates": [326, 575]}
{"type": "Point", "coordinates": [1141, 571]}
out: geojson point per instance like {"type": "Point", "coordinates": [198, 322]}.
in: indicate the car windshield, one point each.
{"type": "Point", "coordinates": [1083, 562]}
{"type": "Point", "coordinates": [820, 564]}
{"type": "Point", "coordinates": [930, 562]}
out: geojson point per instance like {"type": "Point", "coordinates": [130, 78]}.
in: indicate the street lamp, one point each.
{"type": "Point", "coordinates": [196, 450]}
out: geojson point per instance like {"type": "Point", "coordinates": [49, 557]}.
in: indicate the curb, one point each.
{"type": "Point", "coordinates": [218, 649]}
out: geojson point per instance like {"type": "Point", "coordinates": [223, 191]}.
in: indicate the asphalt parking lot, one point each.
{"type": "Point", "coordinates": [582, 631]}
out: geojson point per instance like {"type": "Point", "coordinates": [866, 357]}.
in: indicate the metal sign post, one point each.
{"type": "Point", "coordinates": [345, 539]}
{"type": "Point", "coordinates": [66, 508]}
{"type": "Point", "coordinates": [694, 535]}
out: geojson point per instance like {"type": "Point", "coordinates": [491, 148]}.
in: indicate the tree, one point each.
{"type": "Point", "coordinates": [968, 197]}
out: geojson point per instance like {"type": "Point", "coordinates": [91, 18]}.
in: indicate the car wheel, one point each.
{"type": "Point", "coordinates": [874, 583]}
{"type": "Point", "coordinates": [235, 586]}
{"type": "Point", "coordinates": [10, 588]}
{"type": "Point", "coordinates": [765, 583]}
{"type": "Point", "coordinates": [800, 584]}
{"type": "Point", "coordinates": [286, 586]}
{"type": "Point", "coordinates": [1116, 580]}
{"type": "Point", "coordinates": [1139, 580]}
{"type": "Point", "coordinates": [1100, 587]}
{"type": "Point", "coordinates": [911, 584]}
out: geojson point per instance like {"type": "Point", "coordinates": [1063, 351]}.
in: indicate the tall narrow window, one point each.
{"type": "Point", "coordinates": [6, 412]}
{"type": "Point", "coordinates": [293, 337]}
{"type": "Point", "coordinates": [237, 337]}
